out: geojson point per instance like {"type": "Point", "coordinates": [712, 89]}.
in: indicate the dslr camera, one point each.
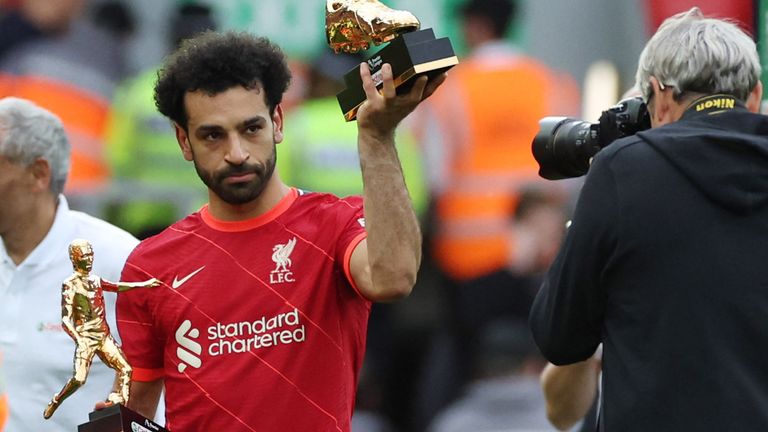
{"type": "Point", "coordinates": [564, 147]}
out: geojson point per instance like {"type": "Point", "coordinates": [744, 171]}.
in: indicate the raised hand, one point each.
{"type": "Point", "coordinates": [384, 109]}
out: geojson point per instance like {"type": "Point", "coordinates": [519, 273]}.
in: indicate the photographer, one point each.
{"type": "Point", "coordinates": [666, 262]}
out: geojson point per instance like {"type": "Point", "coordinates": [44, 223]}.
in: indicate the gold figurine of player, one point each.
{"type": "Point", "coordinates": [84, 320]}
{"type": "Point", "coordinates": [353, 25]}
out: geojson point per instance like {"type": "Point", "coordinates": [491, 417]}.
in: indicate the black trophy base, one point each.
{"type": "Point", "coordinates": [118, 418]}
{"type": "Point", "coordinates": [410, 55]}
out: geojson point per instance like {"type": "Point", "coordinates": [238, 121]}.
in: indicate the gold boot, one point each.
{"type": "Point", "coordinates": [352, 25]}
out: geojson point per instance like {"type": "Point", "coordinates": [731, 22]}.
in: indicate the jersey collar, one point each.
{"type": "Point", "coordinates": [249, 224]}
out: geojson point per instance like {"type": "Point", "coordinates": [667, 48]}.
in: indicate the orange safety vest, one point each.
{"type": "Point", "coordinates": [488, 111]}
{"type": "Point", "coordinates": [3, 401]}
{"type": "Point", "coordinates": [84, 115]}
{"type": "Point", "coordinates": [3, 411]}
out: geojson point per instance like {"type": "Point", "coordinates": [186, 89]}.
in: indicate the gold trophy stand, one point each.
{"type": "Point", "coordinates": [118, 418]}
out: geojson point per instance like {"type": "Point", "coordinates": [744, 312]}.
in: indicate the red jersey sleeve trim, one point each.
{"type": "Point", "coordinates": [249, 224]}
{"type": "Point", "coordinates": [348, 260]}
{"type": "Point", "coordinates": [147, 375]}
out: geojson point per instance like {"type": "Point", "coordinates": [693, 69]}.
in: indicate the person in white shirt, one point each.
{"type": "Point", "coordinates": [36, 227]}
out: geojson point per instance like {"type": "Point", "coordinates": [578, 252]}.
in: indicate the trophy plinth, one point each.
{"type": "Point", "coordinates": [118, 418]}
{"type": "Point", "coordinates": [410, 55]}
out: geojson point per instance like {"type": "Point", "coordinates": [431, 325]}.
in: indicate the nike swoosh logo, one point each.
{"type": "Point", "coordinates": [179, 282]}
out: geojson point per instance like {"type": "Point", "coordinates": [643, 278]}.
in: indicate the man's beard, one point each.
{"type": "Point", "coordinates": [242, 192]}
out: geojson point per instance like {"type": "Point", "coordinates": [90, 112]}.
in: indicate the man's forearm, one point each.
{"type": "Point", "coordinates": [145, 396]}
{"type": "Point", "coordinates": [570, 391]}
{"type": "Point", "coordinates": [394, 237]}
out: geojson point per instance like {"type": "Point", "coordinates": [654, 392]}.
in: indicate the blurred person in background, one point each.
{"type": "Point", "coordinates": [504, 393]}
{"type": "Point", "coordinates": [664, 263]}
{"type": "Point", "coordinates": [71, 69]}
{"type": "Point", "coordinates": [115, 19]}
{"type": "Point", "coordinates": [30, 20]}
{"type": "Point", "coordinates": [151, 185]}
{"type": "Point", "coordinates": [36, 227]}
{"type": "Point", "coordinates": [476, 137]}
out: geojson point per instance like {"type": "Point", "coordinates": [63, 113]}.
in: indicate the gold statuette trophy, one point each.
{"type": "Point", "coordinates": [355, 25]}
{"type": "Point", "coordinates": [84, 320]}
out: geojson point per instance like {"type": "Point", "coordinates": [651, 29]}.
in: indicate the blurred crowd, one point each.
{"type": "Point", "coordinates": [456, 356]}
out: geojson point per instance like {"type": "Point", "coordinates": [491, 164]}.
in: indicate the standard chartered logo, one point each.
{"type": "Point", "coordinates": [239, 337]}
{"type": "Point", "coordinates": [191, 355]}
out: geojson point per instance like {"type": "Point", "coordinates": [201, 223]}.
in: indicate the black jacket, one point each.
{"type": "Point", "coordinates": [666, 264]}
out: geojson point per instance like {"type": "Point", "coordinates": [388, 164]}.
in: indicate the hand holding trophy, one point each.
{"type": "Point", "coordinates": [84, 320]}
{"type": "Point", "coordinates": [354, 25]}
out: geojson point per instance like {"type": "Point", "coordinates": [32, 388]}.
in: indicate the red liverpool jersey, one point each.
{"type": "Point", "coordinates": [256, 326]}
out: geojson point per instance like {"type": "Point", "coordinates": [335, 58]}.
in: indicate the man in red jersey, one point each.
{"type": "Point", "coordinates": [261, 320]}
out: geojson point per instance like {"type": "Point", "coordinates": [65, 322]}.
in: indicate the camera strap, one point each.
{"type": "Point", "coordinates": [713, 104]}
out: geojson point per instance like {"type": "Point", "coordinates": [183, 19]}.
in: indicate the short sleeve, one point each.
{"type": "Point", "coordinates": [351, 221]}
{"type": "Point", "coordinates": [141, 344]}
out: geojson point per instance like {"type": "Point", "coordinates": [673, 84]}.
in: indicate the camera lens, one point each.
{"type": "Point", "coordinates": [563, 147]}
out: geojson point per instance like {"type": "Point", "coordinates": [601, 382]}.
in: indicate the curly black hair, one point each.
{"type": "Point", "coordinates": [214, 62]}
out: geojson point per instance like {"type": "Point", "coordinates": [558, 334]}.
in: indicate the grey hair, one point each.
{"type": "Point", "coordinates": [28, 133]}
{"type": "Point", "coordinates": [692, 53]}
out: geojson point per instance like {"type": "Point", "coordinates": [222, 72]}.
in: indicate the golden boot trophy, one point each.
{"type": "Point", "coordinates": [352, 25]}
{"type": "Point", "coordinates": [355, 25]}
{"type": "Point", "coordinates": [84, 320]}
